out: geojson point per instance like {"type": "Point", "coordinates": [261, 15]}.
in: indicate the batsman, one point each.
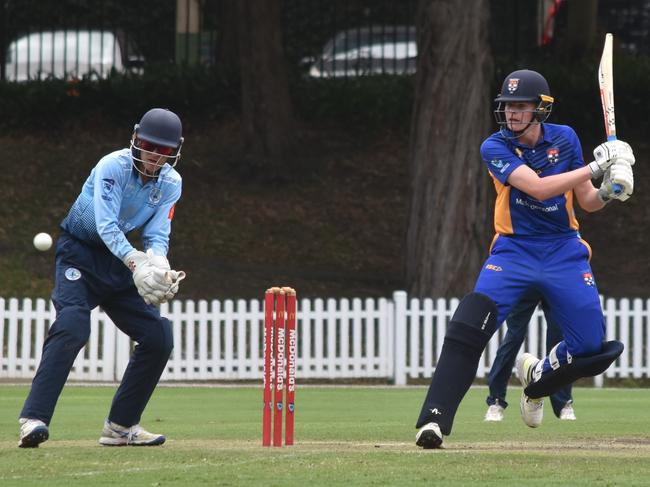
{"type": "Point", "coordinates": [129, 189]}
{"type": "Point", "coordinates": [538, 172]}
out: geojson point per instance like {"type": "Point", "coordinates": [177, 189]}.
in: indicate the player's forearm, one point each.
{"type": "Point", "coordinates": [591, 202]}
{"type": "Point", "coordinates": [550, 186]}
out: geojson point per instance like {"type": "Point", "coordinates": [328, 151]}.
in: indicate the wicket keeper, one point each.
{"type": "Point", "coordinates": [129, 189]}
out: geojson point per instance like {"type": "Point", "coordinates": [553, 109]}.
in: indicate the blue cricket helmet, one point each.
{"type": "Point", "coordinates": [161, 127]}
{"type": "Point", "coordinates": [525, 85]}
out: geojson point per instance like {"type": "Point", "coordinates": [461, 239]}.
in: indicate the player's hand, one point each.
{"type": "Point", "coordinates": [605, 154]}
{"type": "Point", "coordinates": [144, 276]}
{"type": "Point", "coordinates": [620, 173]}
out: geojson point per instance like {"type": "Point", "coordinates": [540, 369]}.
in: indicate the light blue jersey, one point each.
{"type": "Point", "coordinates": [114, 201]}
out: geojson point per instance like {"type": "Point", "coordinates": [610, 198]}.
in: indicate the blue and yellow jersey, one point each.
{"type": "Point", "coordinates": [517, 213]}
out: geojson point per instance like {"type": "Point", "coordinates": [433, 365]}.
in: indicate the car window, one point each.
{"type": "Point", "coordinates": [63, 54]}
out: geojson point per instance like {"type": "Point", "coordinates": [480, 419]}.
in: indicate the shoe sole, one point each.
{"type": "Point", "coordinates": [522, 401]}
{"type": "Point", "coordinates": [35, 438]}
{"type": "Point", "coordinates": [429, 440]}
{"type": "Point", "coordinates": [105, 441]}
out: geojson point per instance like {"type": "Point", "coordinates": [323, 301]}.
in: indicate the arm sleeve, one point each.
{"type": "Point", "coordinates": [155, 233]}
{"type": "Point", "coordinates": [578, 159]}
{"type": "Point", "coordinates": [499, 159]}
{"type": "Point", "coordinates": [107, 198]}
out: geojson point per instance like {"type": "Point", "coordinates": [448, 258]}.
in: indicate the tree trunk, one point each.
{"type": "Point", "coordinates": [227, 39]}
{"type": "Point", "coordinates": [267, 121]}
{"type": "Point", "coordinates": [449, 221]}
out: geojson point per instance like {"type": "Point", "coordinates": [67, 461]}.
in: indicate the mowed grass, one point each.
{"type": "Point", "coordinates": [344, 436]}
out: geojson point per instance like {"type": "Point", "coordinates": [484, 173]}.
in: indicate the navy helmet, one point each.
{"type": "Point", "coordinates": [160, 134]}
{"type": "Point", "coordinates": [524, 85]}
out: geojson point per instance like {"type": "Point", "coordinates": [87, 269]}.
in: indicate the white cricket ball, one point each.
{"type": "Point", "coordinates": [42, 241]}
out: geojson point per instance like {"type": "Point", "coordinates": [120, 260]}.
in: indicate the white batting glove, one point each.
{"type": "Point", "coordinates": [620, 173]}
{"type": "Point", "coordinates": [606, 153]}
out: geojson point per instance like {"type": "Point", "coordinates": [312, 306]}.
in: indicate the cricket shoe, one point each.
{"type": "Point", "coordinates": [429, 437]}
{"type": "Point", "coordinates": [114, 434]}
{"type": "Point", "coordinates": [567, 413]}
{"type": "Point", "coordinates": [33, 432]}
{"type": "Point", "coordinates": [532, 410]}
{"type": "Point", "coordinates": [494, 413]}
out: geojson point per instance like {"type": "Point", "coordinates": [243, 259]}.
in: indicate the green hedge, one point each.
{"type": "Point", "coordinates": [201, 94]}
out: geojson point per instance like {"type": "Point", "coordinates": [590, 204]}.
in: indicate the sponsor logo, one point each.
{"type": "Point", "coordinates": [493, 267]}
{"type": "Point", "coordinates": [155, 196]}
{"type": "Point", "coordinates": [435, 411]}
{"type": "Point", "coordinates": [532, 206]}
{"type": "Point", "coordinates": [513, 84]}
{"type": "Point", "coordinates": [498, 163]}
{"type": "Point", "coordinates": [486, 320]}
{"type": "Point", "coordinates": [588, 278]}
{"type": "Point", "coordinates": [72, 274]}
{"type": "Point", "coordinates": [553, 155]}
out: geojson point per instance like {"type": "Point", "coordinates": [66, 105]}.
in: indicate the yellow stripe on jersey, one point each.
{"type": "Point", "coordinates": [573, 221]}
{"type": "Point", "coordinates": [586, 244]}
{"type": "Point", "coordinates": [502, 219]}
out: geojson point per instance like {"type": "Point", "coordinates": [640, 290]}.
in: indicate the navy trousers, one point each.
{"type": "Point", "coordinates": [87, 276]}
{"type": "Point", "coordinates": [501, 369]}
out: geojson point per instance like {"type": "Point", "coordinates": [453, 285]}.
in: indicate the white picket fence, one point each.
{"type": "Point", "coordinates": [394, 339]}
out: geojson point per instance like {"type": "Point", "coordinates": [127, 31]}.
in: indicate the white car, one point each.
{"type": "Point", "coordinates": [370, 50]}
{"type": "Point", "coordinates": [67, 54]}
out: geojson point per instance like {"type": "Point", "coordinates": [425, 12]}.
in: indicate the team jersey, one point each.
{"type": "Point", "coordinates": [517, 213]}
{"type": "Point", "coordinates": [114, 201]}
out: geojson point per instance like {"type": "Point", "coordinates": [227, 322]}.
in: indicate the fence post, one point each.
{"type": "Point", "coordinates": [399, 333]}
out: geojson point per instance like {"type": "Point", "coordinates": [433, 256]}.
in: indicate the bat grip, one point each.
{"type": "Point", "coordinates": [618, 189]}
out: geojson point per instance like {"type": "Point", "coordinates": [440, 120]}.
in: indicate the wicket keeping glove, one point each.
{"type": "Point", "coordinates": [606, 153]}
{"type": "Point", "coordinates": [146, 276]}
{"type": "Point", "coordinates": [165, 276]}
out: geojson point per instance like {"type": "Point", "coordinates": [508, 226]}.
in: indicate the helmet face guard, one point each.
{"type": "Point", "coordinates": [156, 140]}
{"type": "Point", "coordinates": [540, 113]}
{"type": "Point", "coordinates": [524, 86]}
{"type": "Point", "coordinates": [164, 155]}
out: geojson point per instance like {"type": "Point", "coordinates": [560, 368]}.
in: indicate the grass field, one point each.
{"type": "Point", "coordinates": [344, 436]}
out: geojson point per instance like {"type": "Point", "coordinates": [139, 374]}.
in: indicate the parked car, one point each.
{"type": "Point", "coordinates": [377, 49]}
{"type": "Point", "coordinates": [68, 54]}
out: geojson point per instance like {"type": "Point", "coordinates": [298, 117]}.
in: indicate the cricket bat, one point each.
{"type": "Point", "coordinates": [606, 85]}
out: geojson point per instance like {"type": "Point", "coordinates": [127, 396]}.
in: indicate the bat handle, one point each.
{"type": "Point", "coordinates": [618, 189]}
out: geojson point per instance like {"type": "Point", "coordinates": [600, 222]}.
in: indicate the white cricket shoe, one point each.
{"type": "Point", "coordinates": [532, 410]}
{"type": "Point", "coordinates": [429, 437]}
{"type": "Point", "coordinates": [114, 434]}
{"type": "Point", "coordinates": [33, 432]}
{"type": "Point", "coordinates": [567, 413]}
{"type": "Point", "coordinates": [494, 413]}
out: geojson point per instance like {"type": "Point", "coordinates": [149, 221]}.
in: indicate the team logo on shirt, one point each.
{"type": "Point", "coordinates": [72, 274]}
{"type": "Point", "coordinates": [588, 278]}
{"type": "Point", "coordinates": [513, 84]}
{"type": "Point", "coordinates": [155, 196]}
{"type": "Point", "coordinates": [107, 188]}
{"type": "Point", "coordinates": [553, 155]}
